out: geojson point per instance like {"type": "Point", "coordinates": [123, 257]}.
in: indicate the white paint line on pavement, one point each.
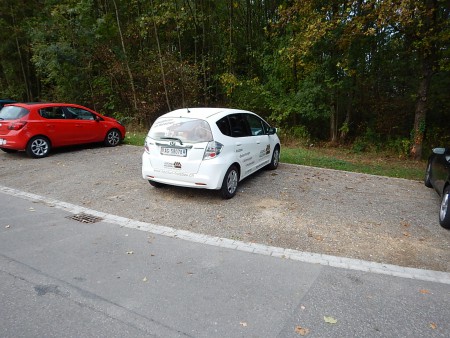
{"type": "Point", "coordinates": [306, 257]}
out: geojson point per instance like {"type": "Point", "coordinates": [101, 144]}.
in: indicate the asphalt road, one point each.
{"type": "Point", "coordinates": [343, 214]}
{"type": "Point", "coordinates": [60, 277]}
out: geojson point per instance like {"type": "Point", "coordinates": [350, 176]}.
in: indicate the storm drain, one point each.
{"type": "Point", "coordinates": [85, 218]}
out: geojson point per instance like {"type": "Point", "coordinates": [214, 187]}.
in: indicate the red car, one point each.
{"type": "Point", "coordinates": [39, 127]}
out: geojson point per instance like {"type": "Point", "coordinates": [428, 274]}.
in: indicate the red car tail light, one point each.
{"type": "Point", "coordinates": [17, 125]}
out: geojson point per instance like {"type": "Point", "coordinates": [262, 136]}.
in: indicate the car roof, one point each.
{"type": "Point", "coordinates": [44, 104]}
{"type": "Point", "coordinates": [203, 112]}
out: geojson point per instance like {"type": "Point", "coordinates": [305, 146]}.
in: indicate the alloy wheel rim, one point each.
{"type": "Point", "coordinates": [276, 157]}
{"type": "Point", "coordinates": [444, 206]}
{"type": "Point", "coordinates": [113, 138]}
{"type": "Point", "coordinates": [39, 147]}
{"type": "Point", "coordinates": [232, 181]}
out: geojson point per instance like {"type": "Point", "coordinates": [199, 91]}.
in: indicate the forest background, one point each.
{"type": "Point", "coordinates": [363, 73]}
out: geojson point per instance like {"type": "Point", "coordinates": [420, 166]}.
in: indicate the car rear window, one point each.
{"type": "Point", "coordinates": [184, 129]}
{"type": "Point", "coordinates": [12, 113]}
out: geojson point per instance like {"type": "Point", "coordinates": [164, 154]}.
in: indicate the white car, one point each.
{"type": "Point", "coordinates": [210, 148]}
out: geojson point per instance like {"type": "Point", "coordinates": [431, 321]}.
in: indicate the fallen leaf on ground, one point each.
{"type": "Point", "coordinates": [244, 324]}
{"type": "Point", "coordinates": [424, 291]}
{"type": "Point", "coordinates": [145, 279]}
{"type": "Point", "coordinates": [302, 331]}
{"type": "Point", "coordinates": [130, 252]}
{"type": "Point", "coordinates": [329, 320]}
{"type": "Point", "coordinates": [433, 326]}
{"type": "Point", "coordinates": [7, 226]}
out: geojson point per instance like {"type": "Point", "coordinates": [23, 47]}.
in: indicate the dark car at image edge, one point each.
{"type": "Point", "coordinates": [437, 176]}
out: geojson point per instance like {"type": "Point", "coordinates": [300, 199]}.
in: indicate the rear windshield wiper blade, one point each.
{"type": "Point", "coordinates": [172, 138]}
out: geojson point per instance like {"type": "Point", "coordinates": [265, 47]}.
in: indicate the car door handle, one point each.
{"type": "Point", "coordinates": [238, 144]}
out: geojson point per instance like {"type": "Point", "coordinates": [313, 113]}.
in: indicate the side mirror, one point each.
{"type": "Point", "coordinates": [440, 151]}
{"type": "Point", "coordinates": [272, 131]}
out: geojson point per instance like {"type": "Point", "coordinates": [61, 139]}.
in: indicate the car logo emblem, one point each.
{"type": "Point", "coordinates": [177, 165]}
{"type": "Point", "coordinates": [172, 143]}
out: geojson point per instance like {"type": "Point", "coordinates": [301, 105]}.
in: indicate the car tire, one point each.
{"type": "Point", "coordinates": [112, 138]}
{"type": "Point", "coordinates": [230, 183]}
{"type": "Point", "coordinates": [156, 184]}
{"type": "Point", "coordinates": [38, 147]}
{"type": "Point", "coordinates": [9, 151]}
{"type": "Point", "coordinates": [444, 212]}
{"type": "Point", "coordinates": [275, 159]}
{"type": "Point", "coordinates": [427, 179]}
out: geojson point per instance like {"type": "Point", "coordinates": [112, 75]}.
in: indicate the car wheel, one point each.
{"type": "Point", "coordinates": [156, 184]}
{"type": "Point", "coordinates": [112, 138]}
{"type": "Point", "coordinates": [275, 159]}
{"type": "Point", "coordinates": [444, 213]}
{"type": "Point", "coordinates": [230, 183]}
{"type": "Point", "coordinates": [9, 151]}
{"type": "Point", "coordinates": [38, 147]}
{"type": "Point", "coordinates": [427, 180]}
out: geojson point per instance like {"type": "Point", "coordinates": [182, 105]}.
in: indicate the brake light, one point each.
{"type": "Point", "coordinates": [212, 150]}
{"type": "Point", "coordinates": [147, 146]}
{"type": "Point", "coordinates": [17, 125]}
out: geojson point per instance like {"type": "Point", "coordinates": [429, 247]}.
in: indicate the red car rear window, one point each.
{"type": "Point", "coordinates": [12, 113]}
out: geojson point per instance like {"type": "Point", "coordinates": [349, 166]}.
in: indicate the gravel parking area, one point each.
{"type": "Point", "coordinates": [339, 213]}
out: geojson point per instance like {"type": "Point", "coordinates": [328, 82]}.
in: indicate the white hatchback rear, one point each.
{"type": "Point", "coordinates": [211, 148]}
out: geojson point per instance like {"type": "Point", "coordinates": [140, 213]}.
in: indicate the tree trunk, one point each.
{"type": "Point", "coordinates": [421, 110]}
{"type": "Point", "coordinates": [161, 61]}
{"type": "Point", "coordinates": [25, 77]}
{"type": "Point", "coordinates": [428, 55]}
{"type": "Point", "coordinates": [333, 122]}
{"type": "Point", "coordinates": [130, 75]}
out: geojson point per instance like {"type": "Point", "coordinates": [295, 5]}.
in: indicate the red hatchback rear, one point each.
{"type": "Point", "coordinates": [38, 127]}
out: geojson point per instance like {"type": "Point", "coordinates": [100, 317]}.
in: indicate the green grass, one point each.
{"type": "Point", "coordinates": [135, 138]}
{"type": "Point", "coordinates": [375, 163]}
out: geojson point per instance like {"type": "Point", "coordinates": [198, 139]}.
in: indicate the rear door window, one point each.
{"type": "Point", "coordinates": [52, 113]}
{"type": "Point", "coordinates": [239, 126]}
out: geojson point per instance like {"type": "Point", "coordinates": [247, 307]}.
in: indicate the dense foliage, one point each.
{"type": "Point", "coordinates": [368, 72]}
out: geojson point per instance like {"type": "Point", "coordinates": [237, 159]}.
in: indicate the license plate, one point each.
{"type": "Point", "coordinates": [2, 142]}
{"type": "Point", "coordinates": [174, 151]}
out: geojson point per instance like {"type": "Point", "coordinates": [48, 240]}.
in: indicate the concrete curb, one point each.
{"type": "Point", "coordinates": [307, 257]}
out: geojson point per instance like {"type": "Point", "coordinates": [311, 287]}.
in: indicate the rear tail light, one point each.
{"type": "Point", "coordinates": [17, 125]}
{"type": "Point", "coordinates": [146, 146]}
{"type": "Point", "coordinates": [212, 150]}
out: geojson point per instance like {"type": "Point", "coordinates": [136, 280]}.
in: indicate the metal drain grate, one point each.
{"type": "Point", "coordinates": [85, 218]}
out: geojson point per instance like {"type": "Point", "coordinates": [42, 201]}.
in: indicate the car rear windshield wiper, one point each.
{"type": "Point", "coordinates": [172, 138]}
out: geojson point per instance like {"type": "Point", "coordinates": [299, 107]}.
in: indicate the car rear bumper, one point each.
{"type": "Point", "coordinates": [12, 142]}
{"type": "Point", "coordinates": [207, 177]}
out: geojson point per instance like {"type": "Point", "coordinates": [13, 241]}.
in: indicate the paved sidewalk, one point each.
{"type": "Point", "coordinates": [117, 277]}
